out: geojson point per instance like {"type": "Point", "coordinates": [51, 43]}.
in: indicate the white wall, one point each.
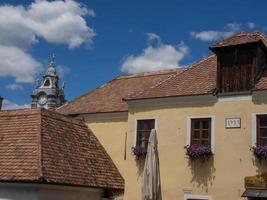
{"type": "Point", "coordinates": [10, 191]}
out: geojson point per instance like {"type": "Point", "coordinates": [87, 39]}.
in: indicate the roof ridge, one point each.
{"type": "Point", "coordinates": [61, 117]}
{"type": "Point", "coordinates": [151, 73]}
{"type": "Point", "coordinates": [19, 112]}
{"type": "Point", "coordinates": [171, 77]}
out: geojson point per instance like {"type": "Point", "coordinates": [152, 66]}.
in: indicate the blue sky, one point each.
{"type": "Point", "coordinates": [98, 40]}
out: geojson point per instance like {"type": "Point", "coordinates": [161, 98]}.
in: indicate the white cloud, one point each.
{"type": "Point", "coordinates": [57, 21]}
{"type": "Point", "coordinates": [14, 86]}
{"type": "Point", "coordinates": [233, 27]}
{"type": "Point", "coordinates": [161, 57]}
{"type": "Point", "coordinates": [60, 22]}
{"type": "Point", "coordinates": [16, 63]}
{"type": "Point", "coordinates": [213, 35]}
{"type": "Point", "coordinates": [152, 36]}
{"type": "Point", "coordinates": [210, 35]}
{"type": "Point", "coordinates": [9, 105]}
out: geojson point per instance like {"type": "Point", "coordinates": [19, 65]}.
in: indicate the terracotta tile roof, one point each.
{"type": "Point", "coordinates": [262, 83]}
{"type": "Point", "coordinates": [241, 38]}
{"type": "Point", "coordinates": [109, 97]}
{"type": "Point", "coordinates": [46, 147]}
{"type": "Point", "coordinates": [199, 78]}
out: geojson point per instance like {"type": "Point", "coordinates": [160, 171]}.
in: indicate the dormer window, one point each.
{"type": "Point", "coordinates": [241, 60]}
{"type": "Point", "coordinates": [236, 71]}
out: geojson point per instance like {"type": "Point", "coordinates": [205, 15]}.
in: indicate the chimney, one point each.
{"type": "Point", "coordinates": [1, 101]}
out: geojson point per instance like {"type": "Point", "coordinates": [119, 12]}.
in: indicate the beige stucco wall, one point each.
{"type": "Point", "coordinates": [222, 177]}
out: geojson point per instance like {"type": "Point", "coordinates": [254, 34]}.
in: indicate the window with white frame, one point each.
{"type": "Point", "coordinates": [201, 131]}
{"type": "Point", "coordinates": [143, 129]}
{"type": "Point", "coordinates": [261, 130]}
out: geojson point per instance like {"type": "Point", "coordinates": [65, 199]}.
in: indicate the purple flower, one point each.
{"type": "Point", "coordinates": [139, 151]}
{"type": "Point", "coordinates": [260, 151]}
{"type": "Point", "coordinates": [195, 151]}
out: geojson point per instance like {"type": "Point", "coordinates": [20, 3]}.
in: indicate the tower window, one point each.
{"type": "Point", "coordinates": [47, 82]}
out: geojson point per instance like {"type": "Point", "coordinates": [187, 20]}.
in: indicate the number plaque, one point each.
{"type": "Point", "coordinates": [233, 123]}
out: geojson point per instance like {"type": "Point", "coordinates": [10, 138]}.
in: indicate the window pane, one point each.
{"type": "Point", "coordinates": [205, 134]}
{"type": "Point", "coordinates": [205, 142]}
{"type": "Point", "coordinates": [263, 141]}
{"type": "Point", "coordinates": [195, 142]}
{"type": "Point", "coordinates": [196, 124]}
{"type": "Point", "coordinates": [263, 132]}
{"type": "Point", "coordinates": [263, 120]}
{"type": "Point", "coordinates": [205, 124]}
{"type": "Point", "coordinates": [145, 124]}
{"type": "Point", "coordinates": [196, 135]}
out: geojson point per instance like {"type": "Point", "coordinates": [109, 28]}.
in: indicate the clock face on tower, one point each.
{"type": "Point", "coordinates": [42, 100]}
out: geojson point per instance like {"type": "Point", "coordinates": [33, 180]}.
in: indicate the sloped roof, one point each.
{"type": "Point", "coordinates": [262, 83]}
{"type": "Point", "coordinates": [199, 78]}
{"type": "Point", "coordinates": [241, 38]}
{"type": "Point", "coordinates": [109, 97]}
{"type": "Point", "coordinates": [45, 147]}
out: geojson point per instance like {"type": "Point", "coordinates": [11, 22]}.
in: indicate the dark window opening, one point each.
{"type": "Point", "coordinates": [144, 128]}
{"type": "Point", "coordinates": [262, 130]}
{"type": "Point", "coordinates": [47, 83]}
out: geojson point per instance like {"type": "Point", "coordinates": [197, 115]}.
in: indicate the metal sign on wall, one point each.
{"type": "Point", "coordinates": [233, 122]}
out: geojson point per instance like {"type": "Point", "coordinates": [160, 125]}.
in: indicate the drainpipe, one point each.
{"type": "Point", "coordinates": [1, 101]}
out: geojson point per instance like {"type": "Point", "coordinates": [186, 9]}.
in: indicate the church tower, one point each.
{"type": "Point", "coordinates": [48, 94]}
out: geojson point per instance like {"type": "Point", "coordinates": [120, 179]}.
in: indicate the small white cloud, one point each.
{"type": "Point", "coordinates": [207, 36]}
{"type": "Point", "coordinates": [233, 27]}
{"type": "Point", "coordinates": [213, 35]}
{"type": "Point", "coordinates": [14, 86]}
{"type": "Point", "coordinates": [251, 25]}
{"type": "Point", "coordinates": [9, 105]}
{"type": "Point", "coordinates": [161, 57]}
{"type": "Point", "coordinates": [152, 36]}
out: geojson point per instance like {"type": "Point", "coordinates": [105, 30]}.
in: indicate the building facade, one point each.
{"type": "Point", "coordinates": [211, 121]}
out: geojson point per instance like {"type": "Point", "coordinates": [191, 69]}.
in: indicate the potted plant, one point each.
{"type": "Point", "coordinates": [139, 151]}
{"type": "Point", "coordinates": [259, 151]}
{"type": "Point", "coordinates": [197, 151]}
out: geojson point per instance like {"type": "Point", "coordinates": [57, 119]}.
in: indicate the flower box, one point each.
{"type": "Point", "coordinates": [139, 151]}
{"type": "Point", "coordinates": [196, 151]}
{"type": "Point", "coordinates": [260, 151]}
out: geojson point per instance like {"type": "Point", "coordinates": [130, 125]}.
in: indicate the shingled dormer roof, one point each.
{"type": "Point", "coordinates": [40, 146]}
{"type": "Point", "coordinates": [241, 38]}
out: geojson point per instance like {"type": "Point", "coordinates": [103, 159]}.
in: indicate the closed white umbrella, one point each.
{"type": "Point", "coordinates": [151, 189]}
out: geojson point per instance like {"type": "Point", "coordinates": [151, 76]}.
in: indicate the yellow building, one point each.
{"type": "Point", "coordinates": [211, 121]}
